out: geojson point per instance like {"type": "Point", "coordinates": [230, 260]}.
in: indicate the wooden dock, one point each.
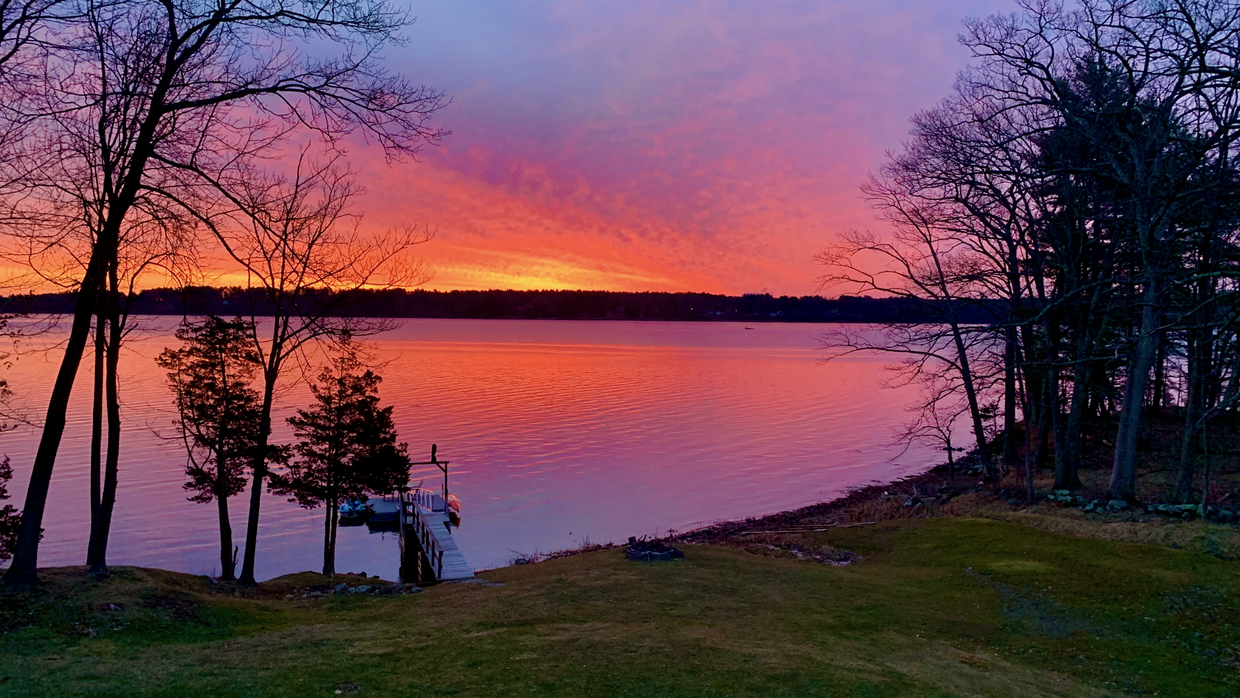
{"type": "Point", "coordinates": [428, 553]}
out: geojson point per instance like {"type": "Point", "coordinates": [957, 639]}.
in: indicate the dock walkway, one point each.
{"type": "Point", "coordinates": [426, 541]}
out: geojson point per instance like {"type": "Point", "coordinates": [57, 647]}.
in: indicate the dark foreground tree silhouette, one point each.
{"type": "Point", "coordinates": [10, 518]}
{"type": "Point", "coordinates": [181, 96]}
{"type": "Point", "coordinates": [347, 447]}
{"type": "Point", "coordinates": [218, 414]}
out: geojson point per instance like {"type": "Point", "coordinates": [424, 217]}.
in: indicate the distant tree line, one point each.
{"type": "Point", "coordinates": [1084, 175]}
{"type": "Point", "coordinates": [537, 305]}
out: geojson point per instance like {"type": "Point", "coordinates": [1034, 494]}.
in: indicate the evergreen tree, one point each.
{"type": "Point", "coordinates": [210, 377]}
{"type": "Point", "coordinates": [10, 518]}
{"type": "Point", "coordinates": [347, 447]}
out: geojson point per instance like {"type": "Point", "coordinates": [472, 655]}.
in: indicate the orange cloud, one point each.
{"type": "Point", "coordinates": [662, 145]}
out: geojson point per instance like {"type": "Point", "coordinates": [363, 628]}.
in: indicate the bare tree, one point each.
{"type": "Point", "coordinates": [1081, 173]}
{"type": "Point", "coordinates": [935, 415]}
{"type": "Point", "coordinates": [1170, 106]}
{"type": "Point", "coordinates": [157, 240]}
{"type": "Point", "coordinates": [924, 261]}
{"type": "Point", "coordinates": [306, 257]}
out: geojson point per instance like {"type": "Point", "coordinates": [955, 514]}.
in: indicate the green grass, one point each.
{"type": "Point", "coordinates": [937, 607]}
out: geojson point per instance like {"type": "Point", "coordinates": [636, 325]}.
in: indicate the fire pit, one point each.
{"type": "Point", "coordinates": [650, 551]}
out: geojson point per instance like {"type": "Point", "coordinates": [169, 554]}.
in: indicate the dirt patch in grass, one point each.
{"type": "Point", "coordinates": [797, 546]}
{"type": "Point", "coordinates": [1035, 612]}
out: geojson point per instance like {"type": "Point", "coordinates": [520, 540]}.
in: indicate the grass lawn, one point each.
{"type": "Point", "coordinates": [936, 607]}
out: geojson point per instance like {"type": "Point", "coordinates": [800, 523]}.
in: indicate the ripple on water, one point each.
{"type": "Point", "coordinates": [555, 431]}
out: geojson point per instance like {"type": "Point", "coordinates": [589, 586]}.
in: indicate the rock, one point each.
{"type": "Point", "coordinates": [361, 590]}
{"type": "Point", "coordinates": [288, 597]}
{"type": "Point", "coordinates": [341, 588]}
{"type": "Point", "coordinates": [389, 589]}
{"type": "Point", "coordinates": [651, 551]}
{"type": "Point", "coordinates": [1117, 505]}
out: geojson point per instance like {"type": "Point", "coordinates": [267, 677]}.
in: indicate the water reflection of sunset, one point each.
{"type": "Point", "coordinates": [690, 422]}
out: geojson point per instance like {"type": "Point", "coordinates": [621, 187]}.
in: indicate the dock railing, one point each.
{"type": "Point", "coordinates": [413, 522]}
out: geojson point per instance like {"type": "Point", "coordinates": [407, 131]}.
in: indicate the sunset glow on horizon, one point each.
{"type": "Point", "coordinates": [663, 145]}
{"type": "Point", "coordinates": [657, 146]}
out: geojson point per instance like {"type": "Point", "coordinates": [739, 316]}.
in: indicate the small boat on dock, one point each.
{"type": "Point", "coordinates": [454, 510]}
{"type": "Point", "coordinates": [378, 513]}
{"type": "Point", "coordinates": [384, 513]}
{"type": "Point", "coordinates": [385, 508]}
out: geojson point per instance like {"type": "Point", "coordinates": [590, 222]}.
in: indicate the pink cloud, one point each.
{"type": "Point", "coordinates": [663, 145]}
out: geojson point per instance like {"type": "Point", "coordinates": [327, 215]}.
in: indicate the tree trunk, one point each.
{"type": "Point", "coordinates": [1205, 472]}
{"type": "Point", "coordinates": [1024, 397]}
{"type": "Point", "coordinates": [335, 528]}
{"type": "Point", "coordinates": [228, 562]}
{"type": "Point", "coordinates": [1046, 403]}
{"type": "Point", "coordinates": [1124, 471]}
{"type": "Point", "coordinates": [1068, 448]}
{"type": "Point", "coordinates": [329, 558]}
{"type": "Point", "coordinates": [975, 411]}
{"type": "Point", "coordinates": [1058, 426]}
{"type": "Point", "coordinates": [107, 500]}
{"type": "Point", "coordinates": [1029, 459]}
{"type": "Point", "coordinates": [260, 474]}
{"type": "Point", "coordinates": [96, 444]}
{"type": "Point", "coordinates": [23, 572]}
{"type": "Point", "coordinates": [1192, 410]}
{"type": "Point", "coordinates": [1009, 396]}
{"type": "Point", "coordinates": [1160, 378]}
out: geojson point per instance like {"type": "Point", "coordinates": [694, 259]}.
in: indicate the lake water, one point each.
{"type": "Point", "coordinates": [558, 432]}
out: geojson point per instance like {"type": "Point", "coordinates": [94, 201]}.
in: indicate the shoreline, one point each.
{"type": "Point", "coordinates": [943, 492]}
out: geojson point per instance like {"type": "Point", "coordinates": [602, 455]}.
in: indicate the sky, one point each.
{"type": "Point", "coordinates": [657, 145]}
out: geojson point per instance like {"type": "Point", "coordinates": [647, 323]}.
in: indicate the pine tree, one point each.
{"type": "Point", "coordinates": [10, 518]}
{"type": "Point", "coordinates": [346, 450]}
{"type": "Point", "coordinates": [219, 423]}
